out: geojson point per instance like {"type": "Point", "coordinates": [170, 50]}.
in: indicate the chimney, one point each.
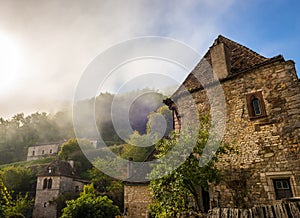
{"type": "Point", "coordinates": [220, 60]}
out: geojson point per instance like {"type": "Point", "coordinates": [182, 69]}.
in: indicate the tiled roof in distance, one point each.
{"type": "Point", "coordinates": [58, 168]}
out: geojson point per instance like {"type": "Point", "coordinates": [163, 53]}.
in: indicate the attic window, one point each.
{"type": "Point", "coordinates": [256, 105]}
{"type": "Point", "coordinates": [50, 170]}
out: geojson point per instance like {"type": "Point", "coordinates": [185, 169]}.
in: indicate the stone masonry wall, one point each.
{"type": "Point", "coordinates": [268, 147]}
{"type": "Point", "coordinates": [39, 151]}
{"type": "Point", "coordinates": [42, 206]}
{"type": "Point", "coordinates": [136, 200]}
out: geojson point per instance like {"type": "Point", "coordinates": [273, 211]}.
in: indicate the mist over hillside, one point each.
{"type": "Point", "coordinates": [21, 131]}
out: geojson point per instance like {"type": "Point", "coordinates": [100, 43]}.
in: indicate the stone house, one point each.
{"type": "Point", "coordinates": [262, 116]}
{"type": "Point", "coordinates": [56, 179]}
{"type": "Point", "coordinates": [42, 150]}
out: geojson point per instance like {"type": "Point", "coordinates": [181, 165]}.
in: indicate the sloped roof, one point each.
{"type": "Point", "coordinates": [241, 59]}
{"type": "Point", "coordinates": [58, 168]}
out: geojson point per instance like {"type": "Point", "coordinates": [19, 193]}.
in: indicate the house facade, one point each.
{"type": "Point", "coordinates": [262, 98]}
{"type": "Point", "coordinates": [56, 179]}
{"type": "Point", "coordinates": [42, 150]}
{"type": "Point", "coordinates": [262, 101]}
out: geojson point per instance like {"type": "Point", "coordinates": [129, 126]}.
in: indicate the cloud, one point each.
{"type": "Point", "coordinates": [58, 39]}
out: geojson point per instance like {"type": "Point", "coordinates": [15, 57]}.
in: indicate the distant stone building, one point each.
{"type": "Point", "coordinates": [42, 150]}
{"type": "Point", "coordinates": [57, 178]}
{"type": "Point", "coordinates": [262, 97]}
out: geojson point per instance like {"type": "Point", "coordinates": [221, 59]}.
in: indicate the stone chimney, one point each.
{"type": "Point", "coordinates": [220, 60]}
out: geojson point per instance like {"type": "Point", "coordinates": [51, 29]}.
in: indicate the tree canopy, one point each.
{"type": "Point", "coordinates": [89, 205]}
{"type": "Point", "coordinates": [183, 189]}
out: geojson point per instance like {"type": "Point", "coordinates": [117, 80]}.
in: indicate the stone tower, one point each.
{"type": "Point", "coordinates": [55, 179]}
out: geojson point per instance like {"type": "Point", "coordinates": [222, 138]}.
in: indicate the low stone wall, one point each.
{"type": "Point", "coordinates": [283, 210]}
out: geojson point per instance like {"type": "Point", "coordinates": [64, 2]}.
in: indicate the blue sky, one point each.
{"type": "Point", "coordinates": [45, 46]}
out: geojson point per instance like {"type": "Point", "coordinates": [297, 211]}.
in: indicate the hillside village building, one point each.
{"type": "Point", "coordinates": [56, 179]}
{"type": "Point", "coordinates": [262, 98]}
{"type": "Point", "coordinates": [42, 150]}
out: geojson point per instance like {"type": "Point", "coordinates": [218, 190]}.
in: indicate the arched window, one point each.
{"type": "Point", "coordinates": [45, 183]}
{"type": "Point", "coordinates": [50, 183]}
{"type": "Point", "coordinates": [256, 105]}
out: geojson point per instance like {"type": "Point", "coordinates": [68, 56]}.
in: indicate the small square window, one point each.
{"type": "Point", "coordinates": [256, 105]}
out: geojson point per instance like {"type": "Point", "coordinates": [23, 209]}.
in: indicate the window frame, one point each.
{"type": "Point", "coordinates": [45, 183]}
{"type": "Point", "coordinates": [282, 189]}
{"type": "Point", "coordinates": [270, 176]}
{"type": "Point", "coordinates": [250, 97]}
{"type": "Point", "coordinates": [50, 181]}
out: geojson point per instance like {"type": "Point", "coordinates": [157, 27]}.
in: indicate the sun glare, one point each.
{"type": "Point", "coordinates": [10, 63]}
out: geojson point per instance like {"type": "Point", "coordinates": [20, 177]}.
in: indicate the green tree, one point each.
{"type": "Point", "coordinates": [72, 150]}
{"type": "Point", "coordinates": [5, 199]}
{"type": "Point", "coordinates": [138, 147]}
{"type": "Point", "coordinates": [89, 205]}
{"type": "Point", "coordinates": [173, 192]}
{"type": "Point", "coordinates": [18, 179]}
{"type": "Point", "coordinates": [20, 207]}
{"type": "Point", "coordinates": [107, 185]}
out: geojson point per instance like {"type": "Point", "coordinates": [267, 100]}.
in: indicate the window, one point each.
{"type": "Point", "coordinates": [50, 151]}
{"type": "Point", "coordinates": [33, 152]}
{"type": "Point", "coordinates": [45, 204]}
{"type": "Point", "coordinates": [50, 183]}
{"type": "Point", "coordinates": [77, 188]}
{"type": "Point", "coordinates": [43, 151]}
{"type": "Point", "coordinates": [282, 188]}
{"type": "Point", "coordinates": [45, 183]}
{"type": "Point", "coordinates": [50, 170]}
{"type": "Point", "coordinates": [256, 105]}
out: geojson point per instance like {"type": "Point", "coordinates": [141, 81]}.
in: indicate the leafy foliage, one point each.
{"type": "Point", "coordinates": [72, 150]}
{"type": "Point", "coordinates": [19, 207]}
{"type": "Point", "coordinates": [90, 205]}
{"type": "Point", "coordinates": [5, 198]}
{"type": "Point", "coordinates": [182, 189]}
{"type": "Point", "coordinates": [13, 208]}
{"type": "Point", "coordinates": [18, 179]}
{"type": "Point", "coordinates": [107, 185]}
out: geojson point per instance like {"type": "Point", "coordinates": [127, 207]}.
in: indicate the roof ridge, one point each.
{"type": "Point", "coordinates": [221, 37]}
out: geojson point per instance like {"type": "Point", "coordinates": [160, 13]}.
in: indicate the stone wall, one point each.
{"type": "Point", "coordinates": [43, 208]}
{"type": "Point", "coordinates": [136, 200]}
{"type": "Point", "coordinates": [40, 151]}
{"type": "Point", "coordinates": [268, 147]}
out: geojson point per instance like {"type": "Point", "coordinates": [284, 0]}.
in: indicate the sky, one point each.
{"type": "Point", "coordinates": [45, 46]}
